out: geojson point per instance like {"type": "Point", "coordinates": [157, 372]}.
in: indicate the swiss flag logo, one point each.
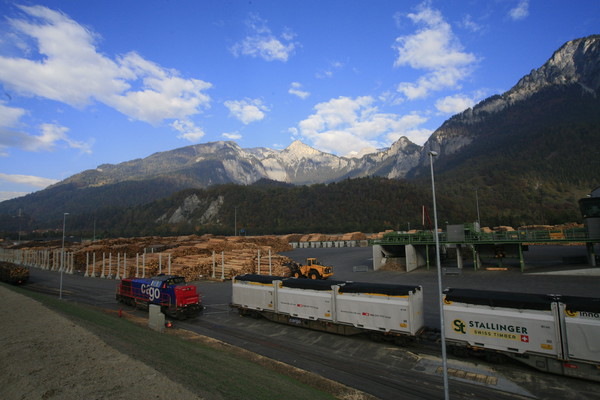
{"type": "Point", "coordinates": [365, 314]}
{"type": "Point", "coordinates": [525, 338]}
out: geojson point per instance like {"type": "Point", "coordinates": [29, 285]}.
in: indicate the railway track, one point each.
{"type": "Point", "coordinates": [372, 376]}
{"type": "Point", "coordinates": [383, 370]}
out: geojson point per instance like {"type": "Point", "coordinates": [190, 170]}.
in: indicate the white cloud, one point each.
{"type": "Point", "coordinates": [347, 126]}
{"type": "Point", "coordinates": [433, 48]}
{"type": "Point", "coordinates": [10, 116]}
{"type": "Point", "coordinates": [469, 24]}
{"type": "Point", "coordinates": [70, 69]}
{"type": "Point", "coordinates": [163, 94]}
{"type": "Point", "coordinates": [232, 135]}
{"type": "Point", "coordinates": [454, 104]}
{"type": "Point", "coordinates": [35, 181]}
{"type": "Point", "coordinates": [247, 110]}
{"type": "Point", "coordinates": [330, 70]}
{"type": "Point", "coordinates": [398, 18]}
{"type": "Point", "coordinates": [26, 181]}
{"type": "Point", "coordinates": [262, 43]}
{"type": "Point", "coordinates": [5, 195]}
{"type": "Point", "coordinates": [188, 130]}
{"type": "Point", "coordinates": [12, 136]}
{"type": "Point", "coordinates": [521, 11]}
{"type": "Point", "coordinates": [296, 90]}
{"type": "Point", "coordinates": [49, 138]}
{"type": "Point", "coordinates": [51, 134]}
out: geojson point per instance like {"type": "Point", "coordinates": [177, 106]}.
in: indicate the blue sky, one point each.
{"type": "Point", "coordinates": [83, 83]}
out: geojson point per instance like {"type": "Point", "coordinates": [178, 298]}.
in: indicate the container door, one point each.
{"type": "Point", "coordinates": [582, 334]}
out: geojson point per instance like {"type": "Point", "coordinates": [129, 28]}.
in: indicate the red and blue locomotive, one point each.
{"type": "Point", "coordinates": [175, 298]}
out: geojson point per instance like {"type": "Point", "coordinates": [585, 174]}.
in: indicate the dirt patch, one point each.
{"type": "Point", "coordinates": [393, 266]}
{"type": "Point", "coordinates": [46, 356]}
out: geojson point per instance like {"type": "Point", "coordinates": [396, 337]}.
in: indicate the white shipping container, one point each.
{"type": "Point", "coordinates": [582, 326]}
{"type": "Point", "coordinates": [503, 325]}
{"type": "Point", "coordinates": [305, 303]}
{"type": "Point", "coordinates": [399, 311]}
{"type": "Point", "coordinates": [252, 294]}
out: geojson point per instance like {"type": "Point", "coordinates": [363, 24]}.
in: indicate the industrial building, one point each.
{"type": "Point", "coordinates": [413, 250]}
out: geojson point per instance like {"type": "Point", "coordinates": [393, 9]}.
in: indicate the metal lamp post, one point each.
{"type": "Point", "coordinates": [477, 203]}
{"type": "Point", "coordinates": [62, 256]}
{"type": "Point", "coordinates": [439, 273]}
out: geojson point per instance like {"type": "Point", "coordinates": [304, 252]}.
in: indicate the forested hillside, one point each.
{"type": "Point", "coordinates": [365, 204]}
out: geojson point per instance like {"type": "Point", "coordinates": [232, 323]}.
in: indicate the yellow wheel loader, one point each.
{"type": "Point", "coordinates": [312, 270]}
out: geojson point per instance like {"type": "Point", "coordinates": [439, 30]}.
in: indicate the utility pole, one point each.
{"type": "Point", "coordinates": [19, 225]}
{"type": "Point", "coordinates": [477, 202]}
{"type": "Point", "coordinates": [62, 256]}
{"type": "Point", "coordinates": [439, 278]}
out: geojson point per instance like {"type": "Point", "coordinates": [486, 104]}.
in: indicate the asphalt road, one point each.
{"type": "Point", "coordinates": [383, 370]}
{"type": "Point", "coordinates": [541, 260]}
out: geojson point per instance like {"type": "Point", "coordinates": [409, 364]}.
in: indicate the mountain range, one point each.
{"type": "Point", "coordinates": [207, 164]}
{"type": "Point", "coordinates": [534, 146]}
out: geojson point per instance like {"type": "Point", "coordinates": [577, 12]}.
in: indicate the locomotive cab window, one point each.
{"type": "Point", "coordinates": [176, 280]}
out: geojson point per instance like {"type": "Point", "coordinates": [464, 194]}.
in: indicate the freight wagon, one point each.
{"type": "Point", "coordinates": [175, 298]}
{"type": "Point", "coordinates": [552, 333]}
{"type": "Point", "coordinates": [386, 311]}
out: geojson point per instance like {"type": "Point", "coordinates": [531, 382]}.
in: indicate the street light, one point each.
{"type": "Point", "coordinates": [62, 256]}
{"type": "Point", "coordinates": [235, 221]}
{"type": "Point", "coordinates": [19, 226]}
{"type": "Point", "coordinates": [439, 273]}
{"type": "Point", "coordinates": [477, 203]}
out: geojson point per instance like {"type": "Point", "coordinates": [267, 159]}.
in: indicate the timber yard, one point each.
{"type": "Point", "coordinates": [523, 271]}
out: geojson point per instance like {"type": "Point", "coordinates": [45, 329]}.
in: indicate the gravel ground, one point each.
{"type": "Point", "coordinates": [37, 343]}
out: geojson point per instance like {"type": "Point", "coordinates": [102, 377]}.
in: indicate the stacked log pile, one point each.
{"type": "Point", "coordinates": [319, 237]}
{"type": "Point", "coordinates": [189, 256]}
{"type": "Point", "coordinates": [293, 237]}
{"type": "Point", "coordinates": [230, 258]}
{"type": "Point", "coordinates": [379, 236]}
{"type": "Point", "coordinates": [354, 236]}
{"type": "Point", "coordinates": [567, 225]}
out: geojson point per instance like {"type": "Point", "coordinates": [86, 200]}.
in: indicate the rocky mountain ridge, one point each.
{"type": "Point", "coordinates": [227, 162]}
{"type": "Point", "coordinates": [576, 63]}
{"type": "Point", "coordinates": [554, 109]}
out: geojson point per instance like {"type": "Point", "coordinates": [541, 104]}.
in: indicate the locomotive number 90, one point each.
{"type": "Point", "coordinates": [152, 292]}
{"type": "Point", "coordinates": [176, 299]}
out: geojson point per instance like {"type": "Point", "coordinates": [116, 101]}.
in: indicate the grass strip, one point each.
{"type": "Point", "coordinates": [212, 371]}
